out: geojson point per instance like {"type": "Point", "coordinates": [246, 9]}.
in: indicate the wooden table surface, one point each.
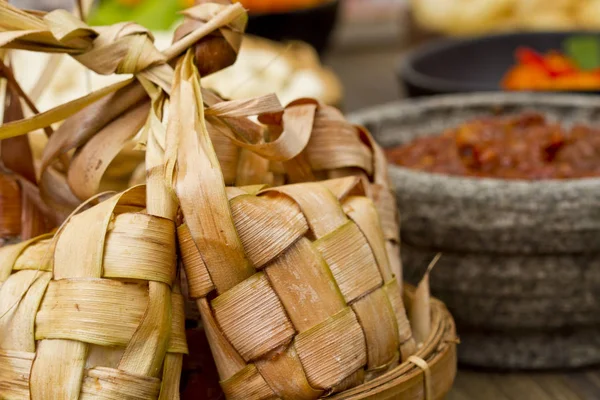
{"type": "Point", "coordinates": [579, 385]}
{"type": "Point", "coordinates": [369, 78]}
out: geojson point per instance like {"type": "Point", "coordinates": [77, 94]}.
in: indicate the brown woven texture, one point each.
{"type": "Point", "coordinates": [93, 313]}
{"type": "Point", "coordinates": [320, 310]}
{"type": "Point", "coordinates": [335, 148]}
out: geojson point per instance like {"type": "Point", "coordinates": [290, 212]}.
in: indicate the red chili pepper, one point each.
{"type": "Point", "coordinates": [525, 55]}
{"type": "Point", "coordinates": [529, 56]}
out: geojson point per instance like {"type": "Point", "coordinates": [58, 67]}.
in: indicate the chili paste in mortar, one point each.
{"type": "Point", "coordinates": [526, 147]}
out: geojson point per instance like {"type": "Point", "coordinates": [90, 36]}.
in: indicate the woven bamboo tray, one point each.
{"type": "Point", "coordinates": [406, 381]}
{"type": "Point", "coordinates": [418, 381]}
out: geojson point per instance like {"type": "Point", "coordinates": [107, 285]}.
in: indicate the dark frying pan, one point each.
{"type": "Point", "coordinates": [471, 65]}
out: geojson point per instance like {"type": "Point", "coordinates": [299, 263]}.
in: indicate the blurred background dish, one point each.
{"type": "Point", "coordinates": [279, 6]}
{"type": "Point", "coordinates": [575, 67]}
{"type": "Point", "coordinates": [152, 14]}
{"type": "Point", "coordinates": [291, 70]}
{"type": "Point", "coordinates": [311, 21]}
{"type": "Point", "coordinates": [475, 17]}
{"type": "Point", "coordinates": [476, 64]}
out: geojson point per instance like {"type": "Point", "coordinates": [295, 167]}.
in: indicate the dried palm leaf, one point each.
{"type": "Point", "coordinates": [22, 213]}
{"type": "Point", "coordinates": [337, 148]}
{"type": "Point", "coordinates": [123, 48]}
{"type": "Point", "coordinates": [420, 312]}
{"type": "Point", "coordinates": [94, 312]}
{"type": "Point", "coordinates": [305, 142]}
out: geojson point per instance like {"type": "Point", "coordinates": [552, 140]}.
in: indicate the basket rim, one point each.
{"type": "Point", "coordinates": [438, 349]}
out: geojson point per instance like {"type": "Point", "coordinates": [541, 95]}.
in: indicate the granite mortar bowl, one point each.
{"type": "Point", "coordinates": [520, 269]}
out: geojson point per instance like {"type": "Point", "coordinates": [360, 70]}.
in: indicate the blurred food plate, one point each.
{"type": "Point", "coordinates": [290, 70]}
{"type": "Point", "coordinates": [549, 61]}
{"type": "Point", "coordinates": [310, 21]}
{"type": "Point", "coordinates": [574, 67]}
{"type": "Point", "coordinates": [278, 6]}
{"type": "Point", "coordinates": [469, 17]}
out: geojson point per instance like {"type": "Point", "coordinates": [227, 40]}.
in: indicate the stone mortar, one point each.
{"type": "Point", "coordinates": [521, 264]}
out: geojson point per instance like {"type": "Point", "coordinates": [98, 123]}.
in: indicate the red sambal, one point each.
{"type": "Point", "coordinates": [522, 147]}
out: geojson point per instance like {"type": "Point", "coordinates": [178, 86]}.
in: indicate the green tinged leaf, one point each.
{"type": "Point", "coordinates": [584, 51]}
{"type": "Point", "coordinates": [152, 14]}
{"type": "Point", "coordinates": [108, 12]}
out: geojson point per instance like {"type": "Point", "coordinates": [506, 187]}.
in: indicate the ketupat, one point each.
{"type": "Point", "coordinates": [313, 289]}
{"type": "Point", "coordinates": [94, 312]}
{"type": "Point", "coordinates": [306, 301]}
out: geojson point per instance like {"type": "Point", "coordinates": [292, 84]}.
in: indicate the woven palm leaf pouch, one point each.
{"type": "Point", "coordinates": [293, 283]}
